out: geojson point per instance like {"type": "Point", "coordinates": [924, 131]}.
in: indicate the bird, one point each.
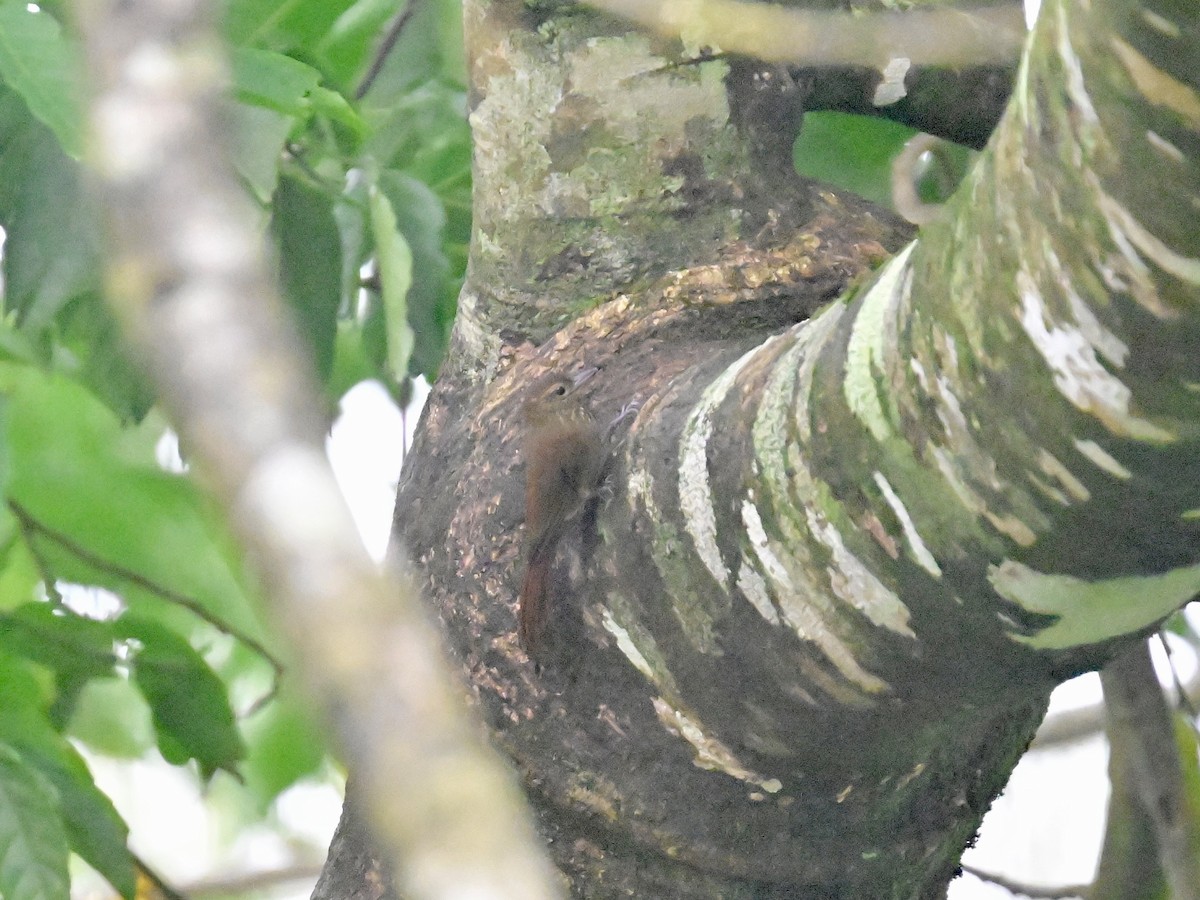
{"type": "Point", "coordinates": [566, 454]}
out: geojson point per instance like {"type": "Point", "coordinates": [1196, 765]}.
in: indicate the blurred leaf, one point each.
{"type": "Point", "coordinates": [284, 746]}
{"type": "Point", "coordinates": [19, 577]}
{"type": "Point", "coordinates": [851, 152]}
{"type": "Point", "coordinates": [273, 80]}
{"type": "Point", "coordinates": [429, 47]}
{"type": "Point", "coordinates": [188, 702]}
{"type": "Point", "coordinates": [52, 265]}
{"type": "Point", "coordinates": [335, 107]}
{"type": "Point", "coordinates": [38, 62]}
{"type": "Point", "coordinates": [51, 252]}
{"type": "Point", "coordinates": [395, 278]}
{"type": "Point", "coordinates": [259, 136]}
{"type": "Point", "coordinates": [33, 864]}
{"type": "Point", "coordinates": [351, 363]}
{"type": "Point", "coordinates": [422, 131]}
{"type": "Point", "coordinates": [112, 718]}
{"type": "Point", "coordinates": [74, 648]}
{"type": "Point", "coordinates": [1178, 624]}
{"type": "Point", "coordinates": [310, 259]}
{"type": "Point", "coordinates": [420, 219]}
{"type": "Point", "coordinates": [289, 26]}
{"type": "Point", "coordinates": [103, 508]}
{"type": "Point", "coordinates": [16, 346]}
{"type": "Point", "coordinates": [95, 831]}
{"type": "Point", "coordinates": [100, 359]}
{"type": "Point", "coordinates": [347, 46]}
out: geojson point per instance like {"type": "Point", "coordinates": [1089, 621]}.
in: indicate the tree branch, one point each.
{"type": "Point", "coordinates": [1141, 724]}
{"type": "Point", "coordinates": [385, 48]}
{"type": "Point", "coordinates": [188, 280]}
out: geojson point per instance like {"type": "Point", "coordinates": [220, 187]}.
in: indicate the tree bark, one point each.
{"type": "Point", "coordinates": [846, 551]}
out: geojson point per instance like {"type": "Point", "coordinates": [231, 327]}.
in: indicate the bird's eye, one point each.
{"type": "Point", "coordinates": [560, 390]}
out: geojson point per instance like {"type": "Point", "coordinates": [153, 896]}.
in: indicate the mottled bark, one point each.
{"type": "Point", "coordinates": [848, 550]}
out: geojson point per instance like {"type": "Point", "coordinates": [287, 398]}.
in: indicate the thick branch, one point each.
{"type": "Point", "coordinates": [808, 37]}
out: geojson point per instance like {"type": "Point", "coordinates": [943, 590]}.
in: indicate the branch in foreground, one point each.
{"type": "Point", "coordinates": [806, 37]}
{"type": "Point", "coordinates": [188, 280]}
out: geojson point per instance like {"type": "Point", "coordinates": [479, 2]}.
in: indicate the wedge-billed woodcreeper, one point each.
{"type": "Point", "coordinates": [565, 456]}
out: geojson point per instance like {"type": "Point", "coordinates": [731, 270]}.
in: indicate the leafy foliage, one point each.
{"type": "Point", "coordinates": [359, 157]}
{"type": "Point", "coordinates": [34, 864]}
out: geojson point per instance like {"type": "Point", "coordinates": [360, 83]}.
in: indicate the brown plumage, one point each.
{"type": "Point", "coordinates": [565, 456]}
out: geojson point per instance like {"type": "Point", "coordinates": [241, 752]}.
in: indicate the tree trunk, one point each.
{"type": "Point", "coordinates": [843, 552]}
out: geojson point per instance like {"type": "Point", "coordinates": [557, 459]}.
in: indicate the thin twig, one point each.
{"type": "Point", "coordinates": [29, 525]}
{"type": "Point", "coordinates": [168, 892]}
{"type": "Point", "coordinates": [298, 154]}
{"type": "Point", "coordinates": [1184, 699]}
{"type": "Point", "coordinates": [253, 881]}
{"type": "Point", "coordinates": [385, 48]}
{"type": "Point", "coordinates": [1029, 890]}
{"type": "Point", "coordinates": [49, 582]}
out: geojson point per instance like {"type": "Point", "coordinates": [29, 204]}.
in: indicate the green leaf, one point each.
{"type": "Point", "coordinates": [851, 152]}
{"type": "Point", "coordinates": [284, 25]}
{"type": "Point", "coordinates": [310, 260]}
{"type": "Point", "coordinates": [33, 864]}
{"type": "Point", "coordinates": [273, 90]}
{"type": "Point", "coordinates": [38, 62]}
{"type": "Point", "coordinates": [395, 277]}
{"type": "Point", "coordinates": [346, 47]}
{"type": "Point", "coordinates": [352, 215]}
{"type": "Point", "coordinates": [102, 510]}
{"type": "Point", "coordinates": [52, 265]}
{"type": "Point", "coordinates": [431, 298]}
{"type": "Point", "coordinates": [273, 81]}
{"type": "Point", "coordinates": [59, 639]}
{"type": "Point", "coordinates": [259, 136]}
{"type": "Point", "coordinates": [95, 830]}
{"type": "Point", "coordinates": [188, 702]}
{"type": "Point", "coordinates": [20, 579]}
{"type": "Point", "coordinates": [52, 248]}
{"type": "Point", "coordinates": [92, 349]}
{"type": "Point", "coordinates": [112, 718]}
{"type": "Point", "coordinates": [337, 108]}
{"type": "Point", "coordinates": [429, 47]}
{"type": "Point", "coordinates": [351, 363]}
{"type": "Point", "coordinates": [284, 746]}
{"type": "Point", "coordinates": [75, 648]}
{"type": "Point", "coordinates": [421, 131]}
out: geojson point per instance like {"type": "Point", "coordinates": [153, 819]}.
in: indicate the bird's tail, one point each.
{"type": "Point", "coordinates": [532, 607]}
